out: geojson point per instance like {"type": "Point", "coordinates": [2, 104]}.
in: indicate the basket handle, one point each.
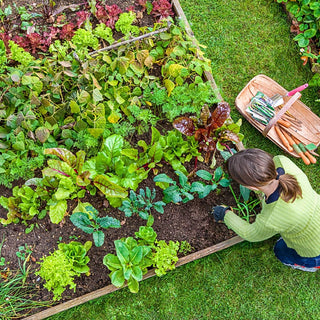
{"type": "Point", "coordinates": [283, 110]}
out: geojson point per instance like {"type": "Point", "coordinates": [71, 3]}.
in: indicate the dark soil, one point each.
{"type": "Point", "coordinates": [191, 221]}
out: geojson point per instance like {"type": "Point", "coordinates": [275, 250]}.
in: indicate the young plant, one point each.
{"type": "Point", "coordinates": [141, 203]}
{"type": "Point", "coordinates": [23, 254]}
{"type": "Point", "coordinates": [2, 259]}
{"type": "Point", "coordinates": [165, 256]}
{"type": "Point", "coordinates": [172, 191]}
{"type": "Point", "coordinates": [130, 263]}
{"type": "Point", "coordinates": [61, 267]}
{"type": "Point", "coordinates": [245, 202]}
{"type": "Point", "coordinates": [104, 32]}
{"type": "Point", "coordinates": [146, 236]}
{"type": "Point", "coordinates": [88, 221]}
{"type": "Point", "coordinates": [162, 9]}
{"type": "Point", "coordinates": [185, 248]}
{"type": "Point", "coordinates": [76, 252]}
{"type": "Point", "coordinates": [215, 180]}
{"type": "Point", "coordinates": [23, 205]}
{"type": "Point", "coordinates": [171, 148]}
{"type": "Point", "coordinates": [124, 24]}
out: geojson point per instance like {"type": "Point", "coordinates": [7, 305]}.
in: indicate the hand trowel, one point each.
{"type": "Point", "coordinates": [278, 98]}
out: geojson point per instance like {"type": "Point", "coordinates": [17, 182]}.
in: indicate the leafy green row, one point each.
{"type": "Point", "coordinates": [64, 102]}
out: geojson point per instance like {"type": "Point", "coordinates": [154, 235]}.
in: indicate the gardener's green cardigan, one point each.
{"type": "Point", "coordinates": [298, 223]}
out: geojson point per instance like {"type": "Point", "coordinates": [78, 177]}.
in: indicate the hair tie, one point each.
{"type": "Point", "coordinates": [280, 172]}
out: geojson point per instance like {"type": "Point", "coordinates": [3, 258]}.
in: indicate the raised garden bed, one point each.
{"type": "Point", "coordinates": [189, 221]}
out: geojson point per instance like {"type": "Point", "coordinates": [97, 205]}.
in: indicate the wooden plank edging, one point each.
{"type": "Point", "coordinates": [180, 14]}
{"type": "Point", "coordinates": [111, 288]}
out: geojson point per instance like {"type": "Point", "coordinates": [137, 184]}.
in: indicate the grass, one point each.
{"type": "Point", "coordinates": [243, 38]}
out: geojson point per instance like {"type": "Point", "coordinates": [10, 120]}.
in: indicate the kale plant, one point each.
{"type": "Point", "coordinates": [173, 192]}
{"type": "Point", "coordinates": [141, 203]}
{"type": "Point", "coordinates": [88, 221]}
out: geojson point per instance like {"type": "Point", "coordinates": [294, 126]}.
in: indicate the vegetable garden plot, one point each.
{"type": "Point", "coordinates": [92, 142]}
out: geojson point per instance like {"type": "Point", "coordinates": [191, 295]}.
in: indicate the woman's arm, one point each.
{"type": "Point", "coordinates": [253, 232]}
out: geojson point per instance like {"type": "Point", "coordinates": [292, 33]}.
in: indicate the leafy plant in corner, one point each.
{"type": "Point", "coordinates": [18, 297]}
{"type": "Point", "coordinates": [165, 256]}
{"type": "Point", "coordinates": [88, 221]}
{"type": "Point", "coordinates": [141, 203]}
{"type": "Point", "coordinates": [23, 205]}
{"type": "Point", "coordinates": [61, 267]}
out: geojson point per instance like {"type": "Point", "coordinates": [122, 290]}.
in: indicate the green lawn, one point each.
{"type": "Point", "coordinates": [243, 38]}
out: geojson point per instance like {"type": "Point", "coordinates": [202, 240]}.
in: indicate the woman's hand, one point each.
{"type": "Point", "coordinates": [219, 212]}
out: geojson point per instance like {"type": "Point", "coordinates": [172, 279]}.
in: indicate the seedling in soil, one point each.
{"type": "Point", "coordinates": [2, 259]}
{"type": "Point", "coordinates": [142, 203]}
{"type": "Point", "coordinates": [217, 179]}
{"type": "Point", "coordinates": [248, 204]}
{"type": "Point", "coordinates": [89, 222]}
{"type": "Point", "coordinates": [172, 191]}
{"type": "Point", "coordinates": [23, 254]}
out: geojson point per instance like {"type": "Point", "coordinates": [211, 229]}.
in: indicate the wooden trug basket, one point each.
{"type": "Point", "coordinates": [310, 130]}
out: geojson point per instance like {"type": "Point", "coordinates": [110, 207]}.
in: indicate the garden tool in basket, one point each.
{"type": "Point", "coordinates": [278, 98]}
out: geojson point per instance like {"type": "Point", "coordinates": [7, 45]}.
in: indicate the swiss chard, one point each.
{"type": "Point", "coordinates": [23, 205]}
{"type": "Point", "coordinates": [69, 179]}
{"type": "Point", "coordinates": [209, 128]}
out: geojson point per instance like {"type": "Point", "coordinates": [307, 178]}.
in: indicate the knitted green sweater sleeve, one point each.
{"type": "Point", "coordinates": [253, 232]}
